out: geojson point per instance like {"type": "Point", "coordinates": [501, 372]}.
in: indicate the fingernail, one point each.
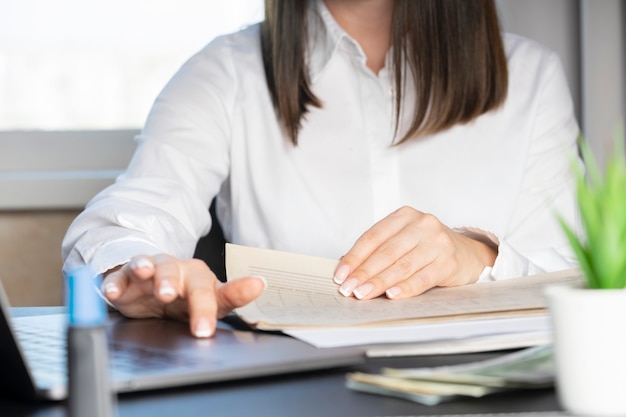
{"type": "Point", "coordinates": [111, 288]}
{"type": "Point", "coordinates": [142, 263]}
{"type": "Point", "coordinates": [393, 292]}
{"type": "Point", "coordinates": [262, 279]}
{"type": "Point", "coordinates": [348, 286]}
{"type": "Point", "coordinates": [341, 274]}
{"type": "Point", "coordinates": [203, 328]}
{"type": "Point", "coordinates": [363, 290]}
{"type": "Point", "coordinates": [166, 289]}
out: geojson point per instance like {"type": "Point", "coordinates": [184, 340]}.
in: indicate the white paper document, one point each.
{"type": "Point", "coordinates": [447, 331]}
{"type": "Point", "coordinates": [301, 293]}
{"type": "Point", "coordinates": [302, 300]}
{"type": "Point", "coordinates": [487, 343]}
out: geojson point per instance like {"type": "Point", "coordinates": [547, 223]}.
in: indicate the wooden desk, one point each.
{"type": "Point", "coordinates": [315, 394]}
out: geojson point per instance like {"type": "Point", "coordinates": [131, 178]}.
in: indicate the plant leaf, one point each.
{"type": "Point", "coordinates": [602, 206]}
{"type": "Point", "coordinates": [581, 255]}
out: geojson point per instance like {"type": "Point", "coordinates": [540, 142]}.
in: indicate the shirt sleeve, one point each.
{"type": "Point", "coordinates": [160, 204]}
{"type": "Point", "coordinates": [534, 242]}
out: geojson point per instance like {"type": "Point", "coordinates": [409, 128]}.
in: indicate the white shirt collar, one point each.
{"type": "Point", "coordinates": [326, 37]}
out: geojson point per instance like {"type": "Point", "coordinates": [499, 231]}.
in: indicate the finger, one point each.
{"type": "Point", "coordinates": [168, 278]}
{"type": "Point", "coordinates": [394, 261]}
{"type": "Point", "coordinates": [417, 284]}
{"type": "Point", "coordinates": [420, 231]}
{"type": "Point", "coordinates": [116, 282]}
{"type": "Point", "coordinates": [130, 288]}
{"type": "Point", "coordinates": [371, 240]}
{"type": "Point", "coordinates": [141, 266]}
{"type": "Point", "coordinates": [114, 285]}
{"type": "Point", "coordinates": [402, 269]}
{"type": "Point", "coordinates": [430, 276]}
{"type": "Point", "coordinates": [200, 292]}
{"type": "Point", "coordinates": [238, 293]}
{"type": "Point", "coordinates": [392, 256]}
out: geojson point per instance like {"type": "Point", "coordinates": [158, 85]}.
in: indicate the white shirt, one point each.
{"type": "Point", "coordinates": [213, 131]}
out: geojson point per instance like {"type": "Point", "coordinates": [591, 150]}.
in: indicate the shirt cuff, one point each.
{"type": "Point", "coordinates": [488, 239]}
{"type": "Point", "coordinates": [118, 252]}
{"type": "Point", "coordinates": [508, 264]}
{"type": "Point", "coordinates": [481, 235]}
{"type": "Point", "coordinates": [511, 264]}
{"type": "Point", "coordinates": [485, 276]}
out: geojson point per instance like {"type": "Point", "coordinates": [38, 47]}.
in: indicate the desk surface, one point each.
{"type": "Point", "coordinates": [318, 393]}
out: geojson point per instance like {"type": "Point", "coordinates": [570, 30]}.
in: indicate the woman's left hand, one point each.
{"type": "Point", "coordinates": [407, 253]}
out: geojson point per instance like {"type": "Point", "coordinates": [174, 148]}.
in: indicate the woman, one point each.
{"type": "Point", "coordinates": [405, 137]}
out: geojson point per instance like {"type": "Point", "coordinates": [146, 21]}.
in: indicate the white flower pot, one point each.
{"type": "Point", "coordinates": [590, 349]}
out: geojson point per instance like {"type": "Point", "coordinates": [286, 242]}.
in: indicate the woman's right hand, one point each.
{"type": "Point", "coordinates": [164, 286]}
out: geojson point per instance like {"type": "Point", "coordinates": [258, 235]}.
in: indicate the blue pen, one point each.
{"type": "Point", "coordinates": [90, 392]}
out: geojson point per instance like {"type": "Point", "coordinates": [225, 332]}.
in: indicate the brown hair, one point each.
{"type": "Point", "coordinates": [452, 48]}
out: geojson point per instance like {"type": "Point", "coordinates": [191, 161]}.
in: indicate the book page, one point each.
{"type": "Point", "coordinates": [301, 293]}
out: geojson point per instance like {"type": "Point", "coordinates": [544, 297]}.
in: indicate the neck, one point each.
{"type": "Point", "coordinates": [369, 23]}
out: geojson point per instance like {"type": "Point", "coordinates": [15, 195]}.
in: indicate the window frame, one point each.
{"type": "Point", "coordinates": [42, 170]}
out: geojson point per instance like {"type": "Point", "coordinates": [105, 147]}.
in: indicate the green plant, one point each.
{"type": "Point", "coordinates": [602, 203]}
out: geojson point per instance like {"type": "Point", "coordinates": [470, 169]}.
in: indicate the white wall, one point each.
{"type": "Point", "coordinates": [603, 66]}
{"type": "Point", "coordinates": [589, 36]}
{"type": "Point", "coordinates": [553, 23]}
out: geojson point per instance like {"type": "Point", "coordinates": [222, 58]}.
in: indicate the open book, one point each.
{"type": "Point", "coordinates": [301, 294]}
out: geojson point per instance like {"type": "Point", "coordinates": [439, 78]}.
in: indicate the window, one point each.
{"type": "Point", "coordinates": [75, 64]}
{"type": "Point", "coordinates": [78, 78]}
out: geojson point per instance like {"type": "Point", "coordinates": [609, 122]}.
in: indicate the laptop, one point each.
{"type": "Point", "coordinates": [148, 354]}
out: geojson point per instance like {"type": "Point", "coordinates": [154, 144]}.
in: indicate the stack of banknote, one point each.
{"type": "Point", "coordinates": [527, 368]}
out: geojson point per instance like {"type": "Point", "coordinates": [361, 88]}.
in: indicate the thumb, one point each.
{"type": "Point", "coordinates": [238, 293]}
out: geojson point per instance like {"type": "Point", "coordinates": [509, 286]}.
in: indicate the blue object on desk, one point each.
{"type": "Point", "coordinates": [90, 392]}
{"type": "Point", "coordinates": [85, 306]}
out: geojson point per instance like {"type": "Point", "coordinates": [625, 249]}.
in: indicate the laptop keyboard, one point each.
{"type": "Point", "coordinates": [46, 352]}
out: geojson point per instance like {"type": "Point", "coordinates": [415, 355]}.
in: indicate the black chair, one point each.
{"type": "Point", "coordinates": [210, 248]}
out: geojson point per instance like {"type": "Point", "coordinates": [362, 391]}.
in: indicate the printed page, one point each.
{"type": "Point", "coordinates": [301, 293]}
